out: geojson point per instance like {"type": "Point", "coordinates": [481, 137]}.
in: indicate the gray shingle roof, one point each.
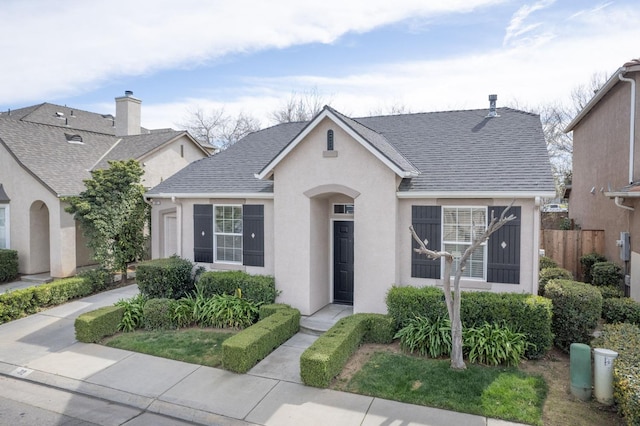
{"type": "Point", "coordinates": [38, 139]}
{"type": "Point", "coordinates": [453, 151]}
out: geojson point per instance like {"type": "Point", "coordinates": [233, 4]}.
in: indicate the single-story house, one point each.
{"type": "Point", "coordinates": [47, 150]}
{"type": "Point", "coordinates": [325, 206]}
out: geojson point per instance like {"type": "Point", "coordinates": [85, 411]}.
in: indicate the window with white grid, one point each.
{"type": "Point", "coordinates": [460, 226]}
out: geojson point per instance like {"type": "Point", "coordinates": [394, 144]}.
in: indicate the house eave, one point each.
{"type": "Point", "coordinates": [475, 194]}
{"type": "Point", "coordinates": [202, 195]}
{"type": "Point", "coordinates": [622, 194]}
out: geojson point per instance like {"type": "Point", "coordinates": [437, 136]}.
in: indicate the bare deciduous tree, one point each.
{"type": "Point", "coordinates": [218, 129]}
{"type": "Point", "coordinates": [300, 107]}
{"type": "Point", "coordinates": [452, 299]}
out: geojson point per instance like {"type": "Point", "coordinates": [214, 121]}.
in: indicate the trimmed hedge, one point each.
{"type": "Point", "coordinates": [624, 339]}
{"type": "Point", "coordinates": [92, 326]}
{"type": "Point", "coordinates": [545, 262]}
{"type": "Point", "coordinates": [243, 350]}
{"type": "Point", "coordinates": [587, 261]}
{"type": "Point", "coordinates": [8, 264]}
{"type": "Point", "coordinates": [256, 288]}
{"type": "Point", "coordinates": [170, 278]}
{"type": "Point", "coordinates": [326, 357]}
{"type": "Point", "coordinates": [549, 274]}
{"type": "Point", "coordinates": [528, 314]}
{"type": "Point", "coordinates": [19, 303]}
{"type": "Point", "coordinates": [610, 292]}
{"type": "Point", "coordinates": [606, 274]}
{"type": "Point", "coordinates": [577, 307]}
{"type": "Point", "coordinates": [621, 310]}
{"type": "Point", "coordinates": [157, 314]}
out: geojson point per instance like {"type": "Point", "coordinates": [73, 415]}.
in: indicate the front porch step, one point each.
{"type": "Point", "coordinates": [313, 327]}
{"type": "Point", "coordinates": [37, 278]}
{"type": "Point", "coordinates": [324, 319]}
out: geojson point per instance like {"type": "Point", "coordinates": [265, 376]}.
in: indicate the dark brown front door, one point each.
{"type": "Point", "coordinates": [343, 262]}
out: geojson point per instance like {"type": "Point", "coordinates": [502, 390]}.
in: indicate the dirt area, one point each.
{"type": "Point", "coordinates": [560, 408]}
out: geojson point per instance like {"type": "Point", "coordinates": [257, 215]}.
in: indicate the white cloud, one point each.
{"type": "Point", "coordinates": [517, 26]}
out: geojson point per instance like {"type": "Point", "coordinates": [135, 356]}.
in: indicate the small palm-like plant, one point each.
{"type": "Point", "coordinates": [133, 312]}
{"type": "Point", "coordinates": [495, 344]}
{"type": "Point", "coordinates": [426, 336]}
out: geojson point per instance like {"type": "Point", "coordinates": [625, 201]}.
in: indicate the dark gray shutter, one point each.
{"type": "Point", "coordinates": [426, 222]}
{"type": "Point", "coordinates": [503, 263]}
{"type": "Point", "coordinates": [253, 235]}
{"type": "Point", "coordinates": [203, 233]}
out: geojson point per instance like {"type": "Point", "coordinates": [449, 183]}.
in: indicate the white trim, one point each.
{"type": "Point", "coordinates": [233, 234]}
{"type": "Point", "coordinates": [7, 224]}
{"type": "Point", "coordinates": [267, 171]}
{"type": "Point", "coordinates": [201, 195]}
{"type": "Point", "coordinates": [477, 194]}
{"type": "Point", "coordinates": [105, 154]}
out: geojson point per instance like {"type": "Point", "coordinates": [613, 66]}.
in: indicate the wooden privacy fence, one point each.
{"type": "Point", "coordinates": [566, 247]}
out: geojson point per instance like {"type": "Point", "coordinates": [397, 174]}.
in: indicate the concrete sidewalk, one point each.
{"type": "Point", "coordinates": [42, 349]}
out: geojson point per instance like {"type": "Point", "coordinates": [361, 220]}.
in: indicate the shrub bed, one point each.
{"type": "Point", "coordinates": [170, 278]}
{"type": "Point", "coordinates": [587, 261]}
{"type": "Point", "coordinates": [577, 307]}
{"type": "Point", "coordinates": [606, 274]}
{"type": "Point", "coordinates": [256, 288]}
{"type": "Point", "coordinates": [549, 274]}
{"type": "Point", "coordinates": [92, 326]}
{"type": "Point", "coordinates": [326, 357]}
{"type": "Point", "coordinates": [157, 314]}
{"type": "Point", "coordinates": [243, 350]}
{"type": "Point", "coordinates": [19, 303]}
{"type": "Point", "coordinates": [8, 264]}
{"type": "Point", "coordinates": [528, 314]}
{"type": "Point", "coordinates": [545, 262]}
{"type": "Point", "coordinates": [615, 310]}
{"type": "Point", "coordinates": [624, 339]}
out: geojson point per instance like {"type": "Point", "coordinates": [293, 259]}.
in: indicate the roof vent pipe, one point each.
{"type": "Point", "coordinates": [492, 106]}
{"type": "Point", "coordinates": [128, 93]}
{"type": "Point", "coordinates": [632, 123]}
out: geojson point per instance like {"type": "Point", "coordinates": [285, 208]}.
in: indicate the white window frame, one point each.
{"type": "Point", "coordinates": [349, 209]}
{"type": "Point", "coordinates": [7, 225]}
{"type": "Point", "coordinates": [216, 233]}
{"type": "Point", "coordinates": [465, 243]}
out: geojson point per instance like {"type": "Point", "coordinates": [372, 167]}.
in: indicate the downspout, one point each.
{"type": "Point", "coordinates": [619, 201]}
{"type": "Point", "coordinates": [632, 125]}
{"type": "Point", "coordinates": [179, 220]}
{"type": "Point", "coordinates": [535, 261]}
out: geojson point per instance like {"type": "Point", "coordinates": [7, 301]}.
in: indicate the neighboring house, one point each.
{"type": "Point", "coordinates": [325, 206]}
{"type": "Point", "coordinates": [46, 151]}
{"type": "Point", "coordinates": [605, 190]}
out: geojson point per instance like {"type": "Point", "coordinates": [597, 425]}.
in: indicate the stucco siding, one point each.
{"type": "Point", "coordinates": [165, 162]}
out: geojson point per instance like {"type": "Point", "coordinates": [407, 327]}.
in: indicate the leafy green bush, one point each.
{"type": "Point", "coordinates": [326, 357]}
{"type": "Point", "coordinates": [8, 264]}
{"type": "Point", "coordinates": [609, 292]}
{"type": "Point", "coordinates": [157, 314]}
{"type": "Point", "coordinates": [170, 278]}
{"type": "Point", "coordinates": [623, 309]}
{"type": "Point", "coordinates": [99, 278]}
{"type": "Point", "coordinates": [625, 340]}
{"type": "Point", "coordinates": [577, 307]}
{"type": "Point", "coordinates": [256, 288]}
{"type": "Point", "coordinates": [427, 337]}
{"type": "Point", "coordinates": [606, 274]}
{"type": "Point", "coordinates": [587, 262]}
{"type": "Point", "coordinates": [243, 350]}
{"type": "Point", "coordinates": [494, 344]}
{"type": "Point", "coordinates": [545, 262]}
{"type": "Point", "coordinates": [270, 309]}
{"type": "Point", "coordinates": [133, 315]}
{"type": "Point", "coordinates": [549, 274]}
{"type": "Point", "coordinates": [92, 326]}
{"type": "Point", "coordinates": [233, 311]}
{"type": "Point", "coordinates": [524, 313]}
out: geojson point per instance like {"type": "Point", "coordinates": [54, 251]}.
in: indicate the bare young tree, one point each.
{"type": "Point", "coordinates": [216, 128]}
{"type": "Point", "coordinates": [300, 107]}
{"type": "Point", "coordinates": [452, 299]}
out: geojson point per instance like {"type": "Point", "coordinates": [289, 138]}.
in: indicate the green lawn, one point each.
{"type": "Point", "coordinates": [504, 393]}
{"type": "Point", "coordinates": [193, 345]}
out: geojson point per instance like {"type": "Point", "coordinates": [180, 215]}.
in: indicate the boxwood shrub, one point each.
{"type": "Point", "coordinates": [606, 274]}
{"type": "Point", "coordinates": [624, 309]}
{"type": "Point", "coordinates": [243, 350]}
{"type": "Point", "coordinates": [326, 357]}
{"type": "Point", "coordinates": [170, 278]}
{"type": "Point", "coordinates": [625, 340]}
{"type": "Point", "coordinates": [256, 288]}
{"type": "Point", "coordinates": [549, 274]}
{"type": "Point", "coordinates": [577, 307]}
{"type": "Point", "coordinates": [587, 261]}
{"type": "Point", "coordinates": [545, 262]}
{"type": "Point", "coordinates": [157, 314]}
{"type": "Point", "coordinates": [8, 264]}
{"type": "Point", "coordinates": [92, 326]}
{"type": "Point", "coordinates": [528, 314]}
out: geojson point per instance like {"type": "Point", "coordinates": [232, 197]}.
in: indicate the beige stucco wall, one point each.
{"type": "Point", "coordinates": [300, 250]}
{"type": "Point", "coordinates": [529, 238]}
{"type": "Point", "coordinates": [601, 163]}
{"type": "Point", "coordinates": [183, 209]}
{"type": "Point", "coordinates": [167, 161]}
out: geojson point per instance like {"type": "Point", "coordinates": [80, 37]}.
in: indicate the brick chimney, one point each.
{"type": "Point", "coordinates": [127, 115]}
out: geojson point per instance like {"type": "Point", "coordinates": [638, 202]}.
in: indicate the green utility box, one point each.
{"type": "Point", "coordinates": [580, 371]}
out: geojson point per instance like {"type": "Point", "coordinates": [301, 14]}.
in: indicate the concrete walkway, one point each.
{"type": "Point", "coordinates": [41, 349]}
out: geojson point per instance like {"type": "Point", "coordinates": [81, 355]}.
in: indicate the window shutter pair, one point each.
{"type": "Point", "coordinates": [252, 234]}
{"type": "Point", "coordinates": [503, 247]}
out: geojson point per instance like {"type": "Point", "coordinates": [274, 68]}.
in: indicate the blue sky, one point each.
{"type": "Point", "coordinates": [360, 55]}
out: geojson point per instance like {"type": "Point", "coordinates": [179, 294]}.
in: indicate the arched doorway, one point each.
{"type": "Point", "coordinates": [39, 251]}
